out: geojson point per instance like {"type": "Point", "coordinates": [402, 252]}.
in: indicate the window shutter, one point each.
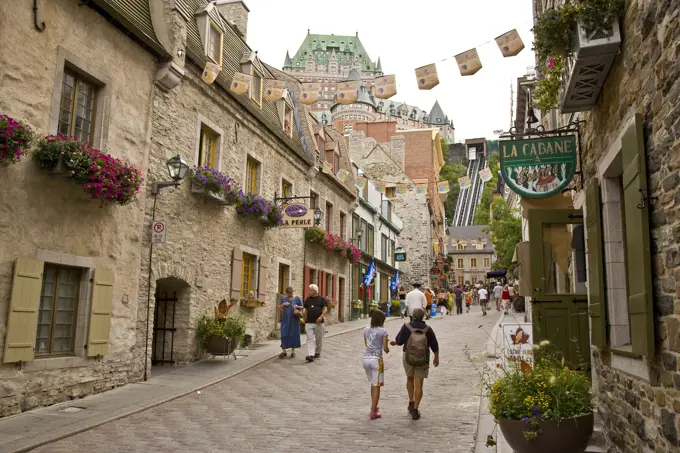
{"type": "Point", "coordinates": [596, 294]}
{"type": "Point", "coordinates": [322, 283]}
{"type": "Point", "coordinates": [100, 313]}
{"type": "Point", "coordinates": [22, 322]}
{"type": "Point", "coordinates": [334, 290]}
{"type": "Point", "coordinates": [262, 281]}
{"type": "Point", "coordinates": [236, 273]}
{"type": "Point", "coordinates": [638, 257]}
{"type": "Point", "coordinates": [307, 282]}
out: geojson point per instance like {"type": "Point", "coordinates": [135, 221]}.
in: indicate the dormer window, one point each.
{"type": "Point", "coordinates": [256, 87]}
{"type": "Point", "coordinates": [213, 49]}
{"type": "Point", "coordinates": [288, 119]}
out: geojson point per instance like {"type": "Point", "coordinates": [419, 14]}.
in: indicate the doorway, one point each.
{"type": "Point", "coordinates": [341, 299]}
{"type": "Point", "coordinates": [170, 344]}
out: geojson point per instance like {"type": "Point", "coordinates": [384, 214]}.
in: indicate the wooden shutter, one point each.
{"type": "Point", "coordinates": [638, 258]}
{"type": "Point", "coordinates": [100, 313]}
{"type": "Point", "coordinates": [307, 282]}
{"type": "Point", "coordinates": [596, 294]}
{"type": "Point", "coordinates": [334, 290]}
{"type": "Point", "coordinates": [22, 322]}
{"type": "Point", "coordinates": [262, 281]}
{"type": "Point", "coordinates": [322, 283]}
{"type": "Point", "coordinates": [236, 273]}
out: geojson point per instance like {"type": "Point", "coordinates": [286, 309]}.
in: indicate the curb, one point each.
{"type": "Point", "coordinates": [163, 400]}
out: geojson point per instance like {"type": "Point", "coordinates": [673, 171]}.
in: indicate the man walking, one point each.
{"type": "Point", "coordinates": [418, 339]}
{"type": "Point", "coordinates": [483, 299]}
{"type": "Point", "coordinates": [315, 309]}
{"type": "Point", "coordinates": [458, 293]}
{"type": "Point", "coordinates": [415, 299]}
{"type": "Point", "coordinates": [497, 295]}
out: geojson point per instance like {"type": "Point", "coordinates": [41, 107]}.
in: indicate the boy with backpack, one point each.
{"type": "Point", "coordinates": [418, 339]}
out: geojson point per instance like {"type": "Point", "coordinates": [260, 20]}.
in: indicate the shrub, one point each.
{"type": "Point", "coordinates": [232, 327]}
{"type": "Point", "coordinates": [15, 140]}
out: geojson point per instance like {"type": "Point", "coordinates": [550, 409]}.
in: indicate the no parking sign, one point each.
{"type": "Point", "coordinates": [158, 232]}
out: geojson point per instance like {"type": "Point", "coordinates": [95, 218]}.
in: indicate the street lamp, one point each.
{"type": "Point", "coordinates": [318, 215]}
{"type": "Point", "coordinates": [177, 169]}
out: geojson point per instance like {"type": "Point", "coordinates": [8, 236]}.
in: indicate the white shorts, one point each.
{"type": "Point", "coordinates": [375, 371]}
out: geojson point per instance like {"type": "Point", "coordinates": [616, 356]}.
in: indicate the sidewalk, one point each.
{"type": "Point", "coordinates": [26, 431]}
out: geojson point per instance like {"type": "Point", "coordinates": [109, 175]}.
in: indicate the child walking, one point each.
{"type": "Point", "coordinates": [375, 339]}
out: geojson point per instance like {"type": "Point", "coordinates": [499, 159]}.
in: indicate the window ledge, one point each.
{"type": "Point", "coordinates": [55, 363]}
{"type": "Point", "coordinates": [625, 350]}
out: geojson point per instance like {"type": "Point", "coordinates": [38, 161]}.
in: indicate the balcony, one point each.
{"type": "Point", "coordinates": [587, 67]}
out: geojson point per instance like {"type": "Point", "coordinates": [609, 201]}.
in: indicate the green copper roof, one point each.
{"type": "Point", "coordinates": [326, 47]}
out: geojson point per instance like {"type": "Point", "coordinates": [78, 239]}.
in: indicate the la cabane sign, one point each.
{"type": "Point", "coordinates": [539, 167]}
{"type": "Point", "coordinates": [297, 216]}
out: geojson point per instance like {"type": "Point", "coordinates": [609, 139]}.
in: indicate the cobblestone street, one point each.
{"type": "Point", "coordinates": [291, 406]}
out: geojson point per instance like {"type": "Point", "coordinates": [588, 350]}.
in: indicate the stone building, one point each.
{"type": "Point", "coordinates": [69, 265]}
{"type": "Point", "coordinates": [470, 253]}
{"type": "Point", "coordinates": [628, 195]}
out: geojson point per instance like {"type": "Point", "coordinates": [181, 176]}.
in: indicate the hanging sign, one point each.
{"type": "Point", "coordinates": [427, 77]}
{"type": "Point", "coordinates": [241, 83]}
{"type": "Point", "coordinates": [379, 186]}
{"type": "Point", "coordinates": [274, 90]}
{"type": "Point", "coordinates": [464, 182]}
{"type": "Point", "coordinates": [348, 92]}
{"type": "Point", "coordinates": [327, 168]}
{"type": "Point", "coordinates": [443, 187]}
{"type": "Point", "coordinates": [297, 215]}
{"type": "Point", "coordinates": [310, 93]}
{"type": "Point", "coordinates": [421, 188]}
{"type": "Point", "coordinates": [400, 254]}
{"type": "Point", "coordinates": [468, 62]}
{"type": "Point", "coordinates": [361, 182]}
{"type": "Point", "coordinates": [539, 167]}
{"type": "Point", "coordinates": [210, 72]}
{"type": "Point", "coordinates": [510, 43]}
{"type": "Point", "coordinates": [517, 342]}
{"type": "Point", "coordinates": [485, 175]}
{"type": "Point", "coordinates": [385, 86]}
{"type": "Point", "coordinates": [342, 175]}
{"type": "Point", "coordinates": [402, 189]}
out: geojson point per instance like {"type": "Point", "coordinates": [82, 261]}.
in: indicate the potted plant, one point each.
{"type": "Point", "coordinates": [220, 336]}
{"type": "Point", "coordinates": [358, 304]}
{"type": "Point", "coordinates": [274, 216]}
{"type": "Point", "coordinates": [211, 183]}
{"type": "Point", "coordinates": [250, 301]}
{"type": "Point", "coordinates": [15, 140]}
{"type": "Point", "coordinates": [544, 407]}
{"type": "Point", "coordinates": [64, 156]}
{"type": "Point", "coordinates": [315, 235]}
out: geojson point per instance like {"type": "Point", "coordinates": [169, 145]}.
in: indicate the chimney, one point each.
{"type": "Point", "coordinates": [236, 13]}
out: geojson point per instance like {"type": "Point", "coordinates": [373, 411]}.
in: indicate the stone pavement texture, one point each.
{"type": "Point", "coordinates": [291, 406]}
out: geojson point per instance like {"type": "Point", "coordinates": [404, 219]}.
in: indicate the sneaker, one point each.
{"type": "Point", "coordinates": [410, 406]}
{"type": "Point", "coordinates": [317, 355]}
{"type": "Point", "coordinates": [374, 415]}
{"type": "Point", "coordinates": [415, 414]}
{"type": "Point", "coordinates": [309, 358]}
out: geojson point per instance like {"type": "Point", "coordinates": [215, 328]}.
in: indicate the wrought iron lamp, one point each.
{"type": "Point", "coordinates": [177, 169]}
{"type": "Point", "coordinates": [318, 216]}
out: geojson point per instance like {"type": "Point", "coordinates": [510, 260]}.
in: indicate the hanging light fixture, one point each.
{"type": "Point", "coordinates": [531, 116]}
{"type": "Point", "coordinates": [177, 168]}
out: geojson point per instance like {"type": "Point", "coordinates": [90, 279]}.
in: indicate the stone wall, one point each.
{"type": "Point", "coordinates": [52, 219]}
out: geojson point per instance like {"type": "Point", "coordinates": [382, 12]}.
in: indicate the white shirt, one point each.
{"type": "Point", "coordinates": [482, 294]}
{"type": "Point", "coordinates": [415, 299]}
{"type": "Point", "coordinates": [497, 290]}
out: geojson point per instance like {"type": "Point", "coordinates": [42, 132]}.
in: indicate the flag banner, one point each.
{"type": "Point", "coordinates": [385, 86]}
{"type": "Point", "coordinates": [370, 274]}
{"type": "Point", "coordinates": [443, 187]}
{"type": "Point", "coordinates": [485, 175]}
{"type": "Point", "coordinates": [327, 168]}
{"type": "Point", "coordinates": [310, 93]}
{"type": "Point", "coordinates": [379, 186]}
{"type": "Point", "coordinates": [462, 242]}
{"type": "Point", "coordinates": [510, 43]}
{"type": "Point", "coordinates": [421, 189]}
{"type": "Point", "coordinates": [274, 90]}
{"type": "Point", "coordinates": [241, 83]}
{"type": "Point", "coordinates": [348, 92]}
{"type": "Point", "coordinates": [468, 62]}
{"type": "Point", "coordinates": [427, 77]}
{"type": "Point", "coordinates": [361, 182]}
{"type": "Point", "coordinates": [395, 281]}
{"type": "Point", "coordinates": [210, 72]}
{"type": "Point", "coordinates": [435, 244]}
{"type": "Point", "coordinates": [402, 189]}
{"type": "Point", "coordinates": [464, 182]}
{"type": "Point", "coordinates": [342, 175]}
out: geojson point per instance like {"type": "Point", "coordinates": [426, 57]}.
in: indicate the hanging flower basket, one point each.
{"type": "Point", "coordinates": [250, 301]}
{"type": "Point", "coordinates": [252, 205]}
{"type": "Point", "coordinates": [213, 185]}
{"type": "Point", "coordinates": [333, 243]}
{"type": "Point", "coordinates": [15, 140]}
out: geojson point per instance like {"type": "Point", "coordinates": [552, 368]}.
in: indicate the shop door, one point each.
{"type": "Point", "coordinates": [559, 296]}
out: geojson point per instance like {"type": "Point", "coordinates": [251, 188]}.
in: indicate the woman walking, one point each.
{"type": "Point", "coordinates": [291, 309]}
{"type": "Point", "coordinates": [376, 341]}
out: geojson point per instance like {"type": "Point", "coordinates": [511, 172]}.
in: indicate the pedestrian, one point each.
{"type": "Point", "coordinates": [417, 339]}
{"type": "Point", "coordinates": [376, 341]}
{"type": "Point", "coordinates": [429, 295]}
{"type": "Point", "coordinates": [483, 295]}
{"type": "Point", "coordinates": [402, 300]}
{"type": "Point", "coordinates": [290, 307]}
{"type": "Point", "coordinates": [315, 310]}
{"type": "Point", "coordinates": [451, 301]}
{"type": "Point", "coordinates": [505, 297]}
{"type": "Point", "coordinates": [415, 299]}
{"type": "Point", "coordinates": [458, 293]}
{"type": "Point", "coordinates": [497, 290]}
{"type": "Point", "coordinates": [469, 299]}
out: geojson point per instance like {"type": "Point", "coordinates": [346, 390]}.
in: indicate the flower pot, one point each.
{"type": "Point", "coordinates": [220, 345]}
{"type": "Point", "coordinates": [570, 435]}
{"type": "Point", "coordinates": [207, 194]}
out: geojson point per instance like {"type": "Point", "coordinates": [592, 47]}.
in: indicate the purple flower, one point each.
{"type": "Point", "coordinates": [534, 408]}
{"type": "Point", "coordinates": [525, 419]}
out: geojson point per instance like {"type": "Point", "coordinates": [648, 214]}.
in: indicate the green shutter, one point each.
{"type": "Point", "coordinates": [596, 294]}
{"type": "Point", "coordinates": [100, 313]}
{"type": "Point", "coordinates": [638, 258]}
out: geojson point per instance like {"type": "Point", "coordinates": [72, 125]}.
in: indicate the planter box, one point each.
{"type": "Point", "coordinates": [570, 435]}
{"type": "Point", "coordinates": [588, 67]}
{"type": "Point", "coordinates": [220, 345]}
{"type": "Point", "coordinates": [207, 195]}
{"type": "Point", "coordinates": [60, 170]}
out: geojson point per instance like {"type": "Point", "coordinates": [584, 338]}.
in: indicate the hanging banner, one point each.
{"type": "Point", "coordinates": [241, 83]}
{"type": "Point", "coordinates": [327, 168]}
{"type": "Point", "coordinates": [443, 187]}
{"type": "Point", "coordinates": [379, 186]}
{"type": "Point", "coordinates": [210, 72]}
{"type": "Point", "coordinates": [275, 89]}
{"type": "Point", "coordinates": [361, 182]}
{"type": "Point", "coordinates": [297, 215]}
{"type": "Point", "coordinates": [348, 92]}
{"type": "Point", "coordinates": [421, 189]}
{"type": "Point", "coordinates": [342, 175]}
{"type": "Point", "coordinates": [510, 43]}
{"type": "Point", "coordinates": [468, 62]}
{"type": "Point", "coordinates": [427, 77]}
{"type": "Point", "coordinates": [310, 93]}
{"type": "Point", "coordinates": [485, 175]}
{"type": "Point", "coordinates": [385, 86]}
{"type": "Point", "coordinates": [464, 182]}
{"type": "Point", "coordinates": [402, 189]}
{"type": "Point", "coordinates": [539, 167]}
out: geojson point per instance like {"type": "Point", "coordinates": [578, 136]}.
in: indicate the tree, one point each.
{"type": "Point", "coordinates": [451, 173]}
{"type": "Point", "coordinates": [505, 229]}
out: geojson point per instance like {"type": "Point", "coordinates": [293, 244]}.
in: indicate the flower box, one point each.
{"type": "Point", "coordinates": [15, 140]}
{"type": "Point", "coordinates": [251, 303]}
{"type": "Point", "coordinates": [587, 68]}
{"type": "Point", "coordinates": [207, 194]}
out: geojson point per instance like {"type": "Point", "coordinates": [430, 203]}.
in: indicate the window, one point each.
{"type": "Point", "coordinates": [343, 226]}
{"type": "Point", "coordinates": [314, 200]}
{"type": "Point", "coordinates": [371, 240]}
{"type": "Point", "coordinates": [459, 263]}
{"type": "Point", "coordinates": [288, 120]}
{"type": "Point", "coordinates": [390, 192]}
{"type": "Point", "coordinates": [330, 291]}
{"type": "Point", "coordinates": [77, 107]}
{"type": "Point", "coordinates": [390, 252]}
{"type": "Point", "coordinates": [256, 88]}
{"type": "Point", "coordinates": [284, 278]}
{"type": "Point", "coordinates": [329, 217]}
{"type": "Point", "coordinates": [364, 236]}
{"type": "Point", "coordinates": [248, 274]}
{"type": "Point", "coordinates": [206, 150]}
{"type": "Point", "coordinates": [460, 246]}
{"type": "Point", "coordinates": [58, 310]}
{"type": "Point", "coordinates": [473, 263]}
{"type": "Point", "coordinates": [252, 175]}
{"type": "Point", "coordinates": [383, 247]}
{"type": "Point", "coordinates": [214, 47]}
{"type": "Point", "coordinates": [479, 246]}
{"type": "Point", "coordinates": [487, 263]}
{"type": "Point", "coordinates": [286, 189]}
{"type": "Point", "coordinates": [336, 162]}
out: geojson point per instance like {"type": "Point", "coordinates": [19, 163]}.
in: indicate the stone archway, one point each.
{"type": "Point", "coordinates": [170, 338]}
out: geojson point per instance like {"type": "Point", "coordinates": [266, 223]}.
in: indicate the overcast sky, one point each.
{"type": "Point", "coordinates": [406, 35]}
